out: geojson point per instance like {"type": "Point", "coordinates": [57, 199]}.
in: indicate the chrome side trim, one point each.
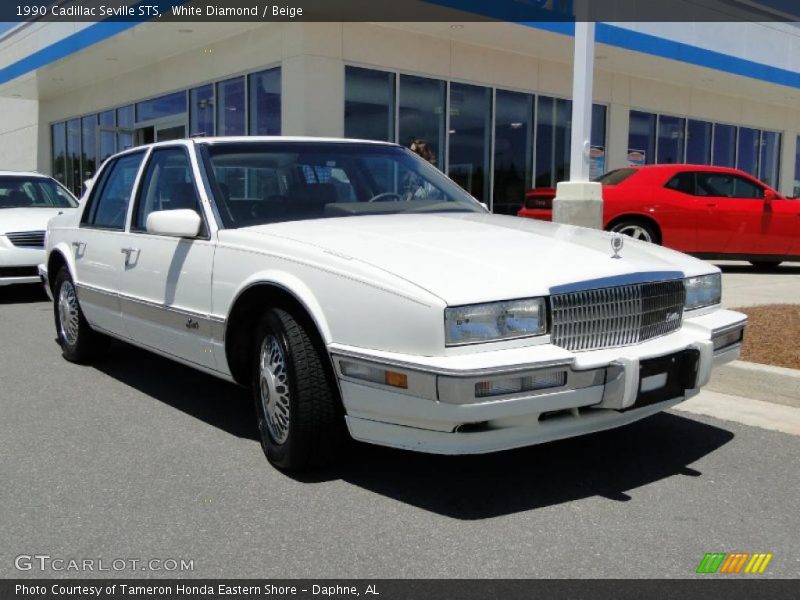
{"type": "Point", "coordinates": [208, 326]}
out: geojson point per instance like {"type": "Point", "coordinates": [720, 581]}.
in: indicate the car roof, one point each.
{"type": "Point", "coordinates": [23, 174]}
{"type": "Point", "coordinates": [672, 167]}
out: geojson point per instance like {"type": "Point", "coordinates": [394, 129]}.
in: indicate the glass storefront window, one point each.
{"type": "Point", "coordinates": [670, 139]}
{"type": "Point", "coordinates": [796, 191]}
{"type": "Point", "coordinates": [265, 102]}
{"type": "Point", "coordinates": [59, 136]}
{"type": "Point", "coordinates": [125, 128]}
{"type": "Point", "coordinates": [698, 142]}
{"type": "Point", "coordinates": [748, 150]}
{"type": "Point", "coordinates": [724, 146]}
{"type": "Point", "coordinates": [770, 158]}
{"type": "Point", "coordinates": [88, 147]}
{"type": "Point", "coordinates": [74, 178]}
{"type": "Point", "coordinates": [641, 138]}
{"type": "Point", "coordinates": [231, 118]}
{"type": "Point", "coordinates": [513, 147]}
{"type": "Point", "coordinates": [422, 114]}
{"type": "Point", "coordinates": [369, 100]}
{"type": "Point", "coordinates": [470, 138]}
{"type": "Point", "coordinates": [164, 106]}
{"type": "Point", "coordinates": [201, 110]}
{"type": "Point", "coordinates": [553, 131]}
{"type": "Point", "coordinates": [107, 119]}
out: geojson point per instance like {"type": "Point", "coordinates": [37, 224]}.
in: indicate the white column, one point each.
{"type": "Point", "coordinates": [579, 202]}
{"type": "Point", "coordinates": [788, 154]}
{"type": "Point", "coordinates": [312, 96]}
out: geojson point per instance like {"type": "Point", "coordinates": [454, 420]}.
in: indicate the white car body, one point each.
{"type": "Point", "coordinates": [22, 236]}
{"type": "Point", "coordinates": [376, 288]}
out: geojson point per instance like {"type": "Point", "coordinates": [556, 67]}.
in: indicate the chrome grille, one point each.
{"type": "Point", "coordinates": [27, 239]}
{"type": "Point", "coordinates": [617, 316]}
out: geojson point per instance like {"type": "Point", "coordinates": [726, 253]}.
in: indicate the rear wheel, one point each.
{"type": "Point", "coordinates": [765, 265]}
{"type": "Point", "coordinates": [638, 230]}
{"type": "Point", "coordinates": [78, 341]}
{"type": "Point", "coordinates": [297, 406]}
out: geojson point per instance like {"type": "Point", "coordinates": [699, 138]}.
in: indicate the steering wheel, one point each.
{"type": "Point", "coordinates": [387, 197]}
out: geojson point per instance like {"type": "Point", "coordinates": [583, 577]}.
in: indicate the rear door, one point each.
{"type": "Point", "coordinates": [166, 281]}
{"type": "Point", "coordinates": [99, 241]}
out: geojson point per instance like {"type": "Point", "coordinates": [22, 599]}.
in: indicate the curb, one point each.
{"type": "Point", "coordinates": [760, 382]}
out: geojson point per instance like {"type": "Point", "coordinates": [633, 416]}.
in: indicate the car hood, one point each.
{"type": "Point", "coordinates": [28, 219]}
{"type": "Point", "coordinates": [466, 258]}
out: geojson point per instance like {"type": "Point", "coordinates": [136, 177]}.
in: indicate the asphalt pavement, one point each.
{"type": "Point", "coordinates": [137, 457]}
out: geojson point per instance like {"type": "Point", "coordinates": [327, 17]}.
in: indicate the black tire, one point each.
{"type": "Point", "coordinates": [637, 229]}
{"type": "Point", "coordinates": [765, 265]}
{"type": "Point", "coordinates": [304, 426]}
{"type": "Point", "coordinates": [79, 342]}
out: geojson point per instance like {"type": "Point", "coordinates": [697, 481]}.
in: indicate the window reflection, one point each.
{"type": "Point", "coordinates": [724, 145]}
{"type": "Point", "coordinates": [201, 110]}
{"type": "Point", "coordinates": [698, 142]}
{"type": "Point", "coordinates": [670, 139]}
{"type": "Point", "coordinates": [369, 104]}
{"type": "Point", "coordinates": [421, 106]}
{"type": "Point", "coordinates": [265, 102]}
{"type": "Point", "coordinates": [230, 107]}
{"type": "Point", "coordinates": [470, 130]}
{"type": "Point", "coordinates": [513, 149]}
{"type": "Point", "coordinates": [748, 146]}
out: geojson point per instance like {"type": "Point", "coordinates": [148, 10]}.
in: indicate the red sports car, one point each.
{"type": "Point", "coordinates": [711, 212]}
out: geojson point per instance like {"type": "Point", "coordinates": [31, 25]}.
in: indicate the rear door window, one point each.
{"type": "Point", "coordinates": [682, 182]}
{"type": "Point", "coordinates": [108, 205]}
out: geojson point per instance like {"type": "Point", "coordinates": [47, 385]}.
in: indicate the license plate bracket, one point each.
{"type": "Point", "coordinates": [680, 369]}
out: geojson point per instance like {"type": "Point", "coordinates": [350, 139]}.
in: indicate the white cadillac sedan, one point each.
{"type": "Point", "coordinates": [357, 290]}
{"type": "Point", "coordinates": [27, 202]}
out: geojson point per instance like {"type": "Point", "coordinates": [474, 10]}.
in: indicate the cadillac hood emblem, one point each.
{"type": "Point", "coordinates": [617, 242]}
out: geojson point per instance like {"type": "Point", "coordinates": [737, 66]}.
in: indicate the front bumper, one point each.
{"type": "Point", "coordinates": [18, 265]}
{"type": "Point", "coordinates": [440, 409]}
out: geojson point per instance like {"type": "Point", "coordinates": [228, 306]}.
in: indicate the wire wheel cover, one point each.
{"type": "Point", "coordinates": [274, 383]}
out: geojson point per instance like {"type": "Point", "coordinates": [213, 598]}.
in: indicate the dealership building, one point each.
{"type": "Point", "coordinates": [492, 99]}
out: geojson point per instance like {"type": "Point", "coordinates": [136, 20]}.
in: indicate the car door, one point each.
{"type": "Point", "coordinates": [680, 216]}
{"type": "Point", "coordinates": [741, 220]}
{"type": "Point", "coordinates": [737, 221]}
{"type": "Point", "coordinates": [99, 240]}
{"type": "Point", "coordinates": [166, 281]}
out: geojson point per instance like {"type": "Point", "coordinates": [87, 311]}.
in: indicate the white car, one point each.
{"type": "Point", "coordinates": [27, 202]}
{"type": "Point", "coordinates": [357, 289]}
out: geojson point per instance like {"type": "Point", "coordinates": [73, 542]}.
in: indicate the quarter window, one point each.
{"type": "Point", "coordinates": [682, 182]}
{"type": "Point", "coordinates": [168, 184]}
{"type": "Point", "coordinates": [109, 203]}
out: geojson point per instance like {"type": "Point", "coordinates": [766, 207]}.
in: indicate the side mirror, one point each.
{"type": "Point", "coordinates": [769, 196]}
{"type": "Point", "coordinates": [183, 223]}
{"type": "Point", "coordinates": [484, 205]}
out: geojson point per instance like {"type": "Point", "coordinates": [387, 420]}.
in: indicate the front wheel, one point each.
{"type": "Point", "coordinates": [638, 230]}
{"type": "Point", "coordinates": [297, 406]}
{"type": "Point", "coordinates": [78, 341]}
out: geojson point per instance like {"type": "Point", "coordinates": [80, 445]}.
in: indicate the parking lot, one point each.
{"type": "Point", "coordinates": [137, 457]}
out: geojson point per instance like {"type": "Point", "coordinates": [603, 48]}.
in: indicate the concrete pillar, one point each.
{"type": "Point", "coordinates": [578, 201]}
{"type": "Point", "coordinates": [618, 129]}
{"type": "Point", "coordinates": [312, 96]}
{"type": "Point", "coordinates": [19, 129]}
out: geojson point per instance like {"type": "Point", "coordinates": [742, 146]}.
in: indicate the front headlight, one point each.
{"type": "Point", "coordinates": [495, 321]}
{"type": "Point", "coordinates": [704, 290]}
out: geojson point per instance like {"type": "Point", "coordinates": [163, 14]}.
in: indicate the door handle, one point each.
{"type": "Point", "coordinates": [80, 247]}
{"type": "Point", "coordinates": [130, 252]}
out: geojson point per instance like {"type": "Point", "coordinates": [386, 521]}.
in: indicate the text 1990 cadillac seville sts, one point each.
{"type": "Point", "coordinates": [356, 289]}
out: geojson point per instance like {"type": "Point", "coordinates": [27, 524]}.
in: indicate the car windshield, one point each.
{"type": "Point", "coordinates": [615, 177]}
{"type": "Point", "coordinates": [34, 192]}
{"type": "Point", "coordinates": [269, 182]}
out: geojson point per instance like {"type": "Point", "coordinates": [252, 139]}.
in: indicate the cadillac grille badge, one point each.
{"type": "Point", "coordinates": [616, 244]}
